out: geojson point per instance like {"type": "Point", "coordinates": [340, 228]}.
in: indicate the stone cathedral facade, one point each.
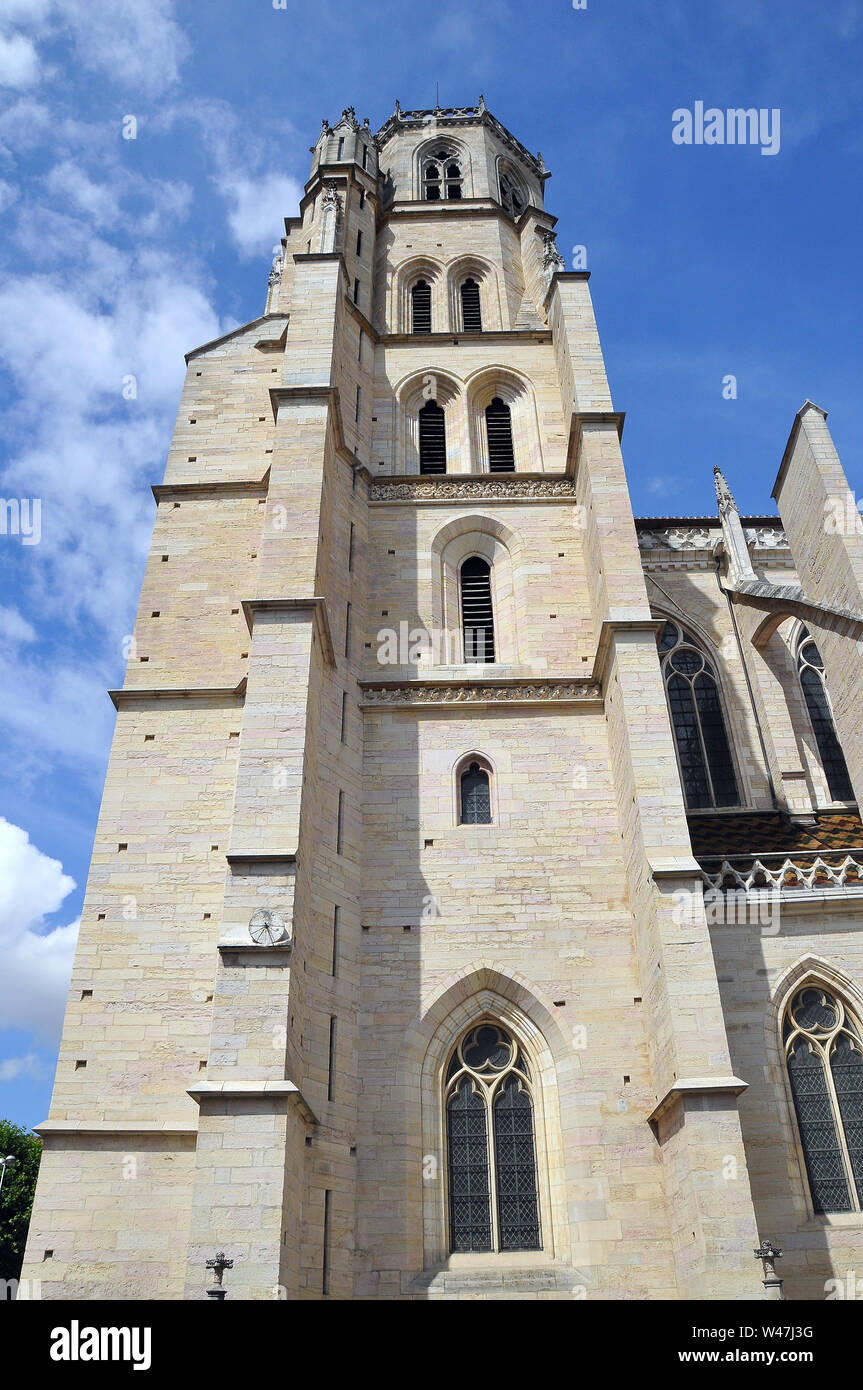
{"type": "Point", "coordinates": [476, 901]}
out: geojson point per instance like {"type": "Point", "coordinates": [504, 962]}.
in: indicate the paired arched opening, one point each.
{"type": "Point", "coordinates": [442, 177]}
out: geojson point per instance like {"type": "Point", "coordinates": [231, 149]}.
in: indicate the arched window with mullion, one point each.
{"type": "Point", "coordinates": [824, 1057]}
{"type": "Point", "coordinates": [491, 1151]}
{"type": "Point", "coordinates": [697, 721]}
{"type": "Point", "coordinates": [810, 667]}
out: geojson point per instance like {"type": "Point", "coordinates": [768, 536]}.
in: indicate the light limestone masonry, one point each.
{"type": "Point", "coordinates": [285, 1103]}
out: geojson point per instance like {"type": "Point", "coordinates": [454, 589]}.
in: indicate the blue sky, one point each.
{"type": "Point", "coordinates": [117, 256]}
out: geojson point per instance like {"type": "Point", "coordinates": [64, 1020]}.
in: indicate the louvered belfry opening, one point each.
{"type": "Point", "coordinates": [421, 307]}
{"type": "Point", "coordinates": [501, 456]}
{"type": "Point", "coordinates": [471, 316]}
{"type": "Point", "coordinates": [476, 612]}
{"type": "Point", "coordinates": [432, 423]}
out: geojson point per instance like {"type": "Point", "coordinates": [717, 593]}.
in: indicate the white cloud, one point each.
{"type": "Point", "coordinates": [13, 1068]}
{"type": "Point", "coordinates": [36, 965]}
{"type": "Point", "coordinates": [19, 62]}
{"type": "Point", "coordinates": [140, 45]}
{"type": "Point", "coordinates": [257, 209]}
{"type": "Point", "coordinates": [14, 629]}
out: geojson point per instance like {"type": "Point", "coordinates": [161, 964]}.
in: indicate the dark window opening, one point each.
{"type": "Point", "coordinates": [811, 668]}
{"type": "Point", "coordinates": [432, 436]}
{"type": "Point", "coordinates": [476, 611]}
{"type": "Point", "coordinates": [703, 750]}
{"type": "Point", "coordinates": [498, 421]}
{"type": "Point", "coordinates": [475, 796]}
{"type": "Point", "coordinates": [471, 316]}
{"type": "Point", "coordinates": [421, 307]}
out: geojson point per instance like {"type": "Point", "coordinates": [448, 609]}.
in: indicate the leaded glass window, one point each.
{"type": "Point", "coordinates": [703, 750]}
{"type": "Point", "coordinates": [475, 796]}
{"type": "Point", "coordinates": [824, 1056]}
{"type": "Point", "coordinates": [811, 670]}
{"type": "Point", "coordinates": [493, 1197]}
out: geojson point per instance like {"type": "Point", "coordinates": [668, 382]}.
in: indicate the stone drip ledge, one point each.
{"type": "Point", "coordinates": [697, 1086]}
{"type": "Point", "coordinates": [253, 1090]}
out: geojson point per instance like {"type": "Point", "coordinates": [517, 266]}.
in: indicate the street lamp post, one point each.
{"type": "Point", "coordinates": [9, 1161]}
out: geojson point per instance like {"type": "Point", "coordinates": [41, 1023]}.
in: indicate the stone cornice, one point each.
{"type": "Point", "coordinates": [473, 487]}
{"type": "Point", "coordinates": [122, 1128]}
{"type": "Point", "coordinates": [215, 487]}
{"type": "Point", "coordinates": [315, 603]}
{"type": "Point", "coordinates": [730, 1086]}
{"type": "Point", "coordinates": [253, 1090]}
{"type": "Point", "coordinates": [576, 690]}
{"type": "Point", "coordinates": [609, 629]}
{"type": "Point", "coordinates": [581, 419]}
{"type": "Point", "coordinates": [505, 335]}
{"type": "Point", "coordinates": [227, 694]}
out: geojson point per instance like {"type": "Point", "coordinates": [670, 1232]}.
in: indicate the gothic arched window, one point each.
{"type": "Point", "coordinates": [512, 195]}
{"type": "Point", "coordinates": [498, 424]}
{"type": "Point", "coordinates": [421, 307]}
{"type": "Point", "coordinates": [441, 176]}
{"type": "Point", "coordinates": [703, 751]}
{"type": "Point", "coordinates": [824, 1056]}
{"type": "Point", "coordinates": [477, 618]}
{"type": "Point", "coordinates": [491, 1156]}
{"type": "Point", "coordinates": [432, 438]}
{"type": "Point", "coordinates": [810, 668]}
{"type": "Point", "coordinates": [471, 315]}
{"type": "Point", "coordinates": [474, 795]}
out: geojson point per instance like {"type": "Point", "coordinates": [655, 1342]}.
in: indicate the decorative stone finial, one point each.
{"type": "Point", "coordinates": [398, 110]}
{"type": "Point", "coordinates": [276, 271]}
{"type": "Point", "coordinates": [552, 260]}
{"type": "Point", "coordinates": [481, 107]}
{"type": "Point", "coordinates": [724, 495]}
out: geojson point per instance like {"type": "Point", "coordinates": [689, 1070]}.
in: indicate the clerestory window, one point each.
{"type": "Point", "coordinates": [703, 750]}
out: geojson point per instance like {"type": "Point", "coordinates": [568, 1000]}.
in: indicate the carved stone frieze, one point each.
{"type": "Point", "coordinates": [461, 489]}
{"type": "Point", "coordinates": [464, 693]}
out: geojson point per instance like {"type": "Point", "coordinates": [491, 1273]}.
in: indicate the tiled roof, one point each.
{"type": "Point", "coordinates": [757, 835]}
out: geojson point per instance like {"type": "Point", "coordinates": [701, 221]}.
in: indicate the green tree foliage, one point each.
{"type": "Point", "coordinates": [16, 1198]}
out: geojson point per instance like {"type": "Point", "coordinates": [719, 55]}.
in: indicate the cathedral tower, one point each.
{"type": "Point", "coordinates": [395, 978]}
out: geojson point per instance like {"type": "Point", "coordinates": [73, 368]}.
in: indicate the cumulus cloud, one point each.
{"type": "Point", "coordinates": [257, 209]}
{"type": "Point", "coordinates": [14, 1068]}
{"type": "Point", "coordinates": [19, 62]}
{"type": "Point", "coordinates": [140, 46]}
{"type": "Point", "coordinates": [36, 963]}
